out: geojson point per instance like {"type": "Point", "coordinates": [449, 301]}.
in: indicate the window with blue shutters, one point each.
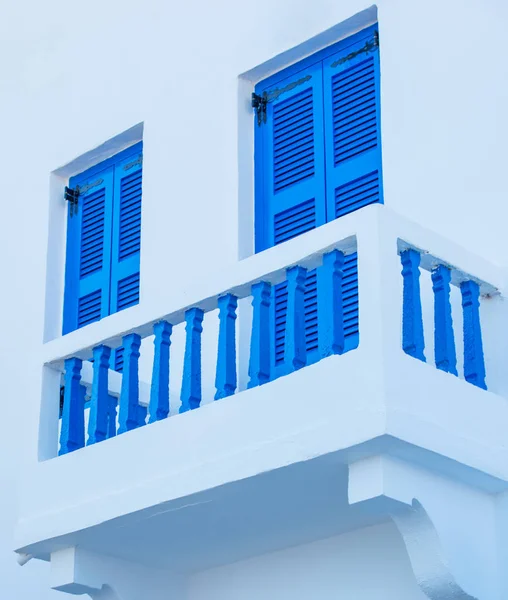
{"type": "Point", "coordinates": [318, 158]}
{"type": "Point", "coordinates": [103, 240]}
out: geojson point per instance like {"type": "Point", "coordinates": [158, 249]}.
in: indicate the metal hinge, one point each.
{"type": "Point", "coordinates": [370, 46]}
{"type": "Point", "coordinates": [72, 195]}
{"type": "Point", "coordinates": [259, 103]}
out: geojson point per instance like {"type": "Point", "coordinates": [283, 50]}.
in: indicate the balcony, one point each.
{"type": "Point", "coordinates": [287, 439]}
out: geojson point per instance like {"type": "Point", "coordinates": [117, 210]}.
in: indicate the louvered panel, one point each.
{"type": "Point", "coordinates": [118, 360]}
{"type": "Point", "coordinates": [294, 221]}
{"type": "Point", "coordinates": [349, 307]}
{"type": "Point", "coordinates": [128, 291]}
{"type": "Point", "coordinates": [280, 308]}
{"type": "Point", "coordinates": [89, 308]}
{"type": "Point", "coordinates": [280, 302]}
{"type": "Point", "coordinates": [356, 194]}
{"type": "Point", "coordinates": [92, 233]}
{"type": "Point", "coordinates": [293, 140]}
{"type": "Point", "coordinates": [354, 111]}
{"type": "Point", "coordinates": [350, 295]}
{"type": "Point", "coordinates": [311, 316]}
{"type": "Point", "coordinates": [130, 216]}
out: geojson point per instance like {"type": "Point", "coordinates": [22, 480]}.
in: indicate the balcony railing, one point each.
{"type": "Point", "coordinates": [289, 330]}
{"type": "Point", "coordinates": [294, 314]}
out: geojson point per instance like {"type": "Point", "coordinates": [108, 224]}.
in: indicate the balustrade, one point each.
{"type": "Point", "coordinates": [300, 315]}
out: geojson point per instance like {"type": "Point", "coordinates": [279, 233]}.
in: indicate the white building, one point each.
{"type": "Point", "coordinates": [372, 462]}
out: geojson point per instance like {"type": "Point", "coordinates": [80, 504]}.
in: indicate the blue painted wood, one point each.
{"type": "Point", "coordinates": [352, 129]}
{"type": "Point", "coordinates": [129, 393]}
{"type": "Point", "coordinates": [88, 260]}
{"type": "Point", "coordinates": [112, 414]}
{"type": "Point", "coordinates": [126, 232]}
{"type": "Point", "coordinates": [297, 187]}
{"type": "Point", "coordinates": [474, 364]}
{"type": "Point", "coordinates": [225, 377]}
{"type": "Point", "coordinates": [290, 174]}
{"type": "Point", "coordinates": [260, 343]}
{"type": "Point", "coordinates": [191, 382]}
{"type": "Point", "coordinates": [330, 313]}
{"type": "Point", "coordinates": [90, 247]}
{"type": "Point", "coordinates": [100, 403]}
{"type": "Point", "coordinates": [159, 390]}
{"type": "Point", "coordinates": [72, 432]}
{"type": "Point", "coordinates": [295, 351]}
{"type": "Point", "coordinates": [412, 321]}
{"type": "Point", "coordinates": [444, 341]}
{"type": "Point", "coordinates": [342, 46]}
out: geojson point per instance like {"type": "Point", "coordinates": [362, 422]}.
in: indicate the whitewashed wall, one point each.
{"type": "Point", "coordinates": [375, 556]}
{"type": "Point", "coordinates": [74, 75]}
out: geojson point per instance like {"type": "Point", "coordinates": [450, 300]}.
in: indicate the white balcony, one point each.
{"type": "Point", "coordinates": [350, 440]}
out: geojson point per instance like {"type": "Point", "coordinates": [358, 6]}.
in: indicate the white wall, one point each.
{"type": "Point", "coordinates": [369, 564]}
{"type": "Point", "coordinates": [74, 75]}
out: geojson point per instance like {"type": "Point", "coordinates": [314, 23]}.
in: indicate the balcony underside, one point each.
{"type": "Point", "coordinates": [265, 469]}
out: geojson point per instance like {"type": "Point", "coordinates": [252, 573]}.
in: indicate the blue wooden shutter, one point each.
{"type": "Point", "coordinates": [290, 184]}
{"type": "Point", "coordinates": [280, 313]}
{"type": "Point", "coordinates": [88, 261]}
{"type": "Point", "coordinates": [349, 309]}
{"type": "Point", "coordinates": [126, 233]}
{"type": "Point", "coordinates": [350, 301]}
{"type": "Point", "coordinates": [352, 118]}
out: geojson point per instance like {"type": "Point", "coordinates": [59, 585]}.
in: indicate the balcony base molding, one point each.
{"type": "Point", "coordinates": [449, 528]}
{"type": "Point", "coordinates": [76, 571]}
{"type": "Point", "coordinates": [450, 551]}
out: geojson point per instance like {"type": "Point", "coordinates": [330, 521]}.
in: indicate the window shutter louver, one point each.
{"type": "Point", "coordinates": [290, 159]}
{"type": "Point", "coordinates": [350, 301]}
{"type": "Point", "coordinates": [353, 144]}
{"type": "Point", "coordinates": [88, 261]}
{"type": "Point", "coordinates": [318, 158]}
{"type": "Point", "coordinates": [126, 233]}
{"type": "Point", "coordinates": [280, 308]}
{"type": "Point", "coordinates": [349, 308]}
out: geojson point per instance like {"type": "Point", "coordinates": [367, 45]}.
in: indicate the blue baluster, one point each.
{"type": "Point", "coordinates": [129, 393]}
{"type": "Point", "coordinates": [295, 351]}
{"type": "Point", "coordinates": [474, 365]}
{"type": "Point", "coordinates": [72, 433]}
{"type": "Point", "coordinates": [113, 403]}
{"type": "Point", "coordinates": [412, 321]}
{"type": "Point", "coordinates": [191, 382]}
{"type": "Point", "coordinates": [225, 378]}
{"type": "Point", "coordinates": [260, 348]}
{"type": "Point", "coordinates": [444, 341]}
{"type": "Point", "coordinates": [99, 405]}
{"type": "Point", "coordinates": [159, 390]}
{"type": "Point", "coordinates": [329, 296]}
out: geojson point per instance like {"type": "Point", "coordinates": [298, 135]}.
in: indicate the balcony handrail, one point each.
{"type": "Point", "coordinates": [429, 261]}
{"type": "Point", "coordinates": [269, 266]}
{"type": "Point", "coordinates": [303, 311]}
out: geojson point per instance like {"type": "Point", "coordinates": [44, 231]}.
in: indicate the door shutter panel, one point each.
{"type": "Point", "coordinates": [349, 309]}
{"type": "Point", "coordinates": [126, 233]}
{"type": "Point", "coordinates": [290, 188]}
{"type": "Point", "coordinates": [280, 314]}
{"type": "Point", "coordinates": [353, 144]}
{"type": "Point", "coordinates": [88, 260]}
{"type": "Point", "coordinates": [350, 301]}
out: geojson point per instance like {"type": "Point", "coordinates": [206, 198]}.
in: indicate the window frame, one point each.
{"type": "Point", "coordinates": [260, 200]}
{"type": "Point", "coordinates": [72, 241]}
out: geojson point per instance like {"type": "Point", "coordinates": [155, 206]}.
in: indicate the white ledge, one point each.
{"type": "Point", "coordinates": [270, 266]}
